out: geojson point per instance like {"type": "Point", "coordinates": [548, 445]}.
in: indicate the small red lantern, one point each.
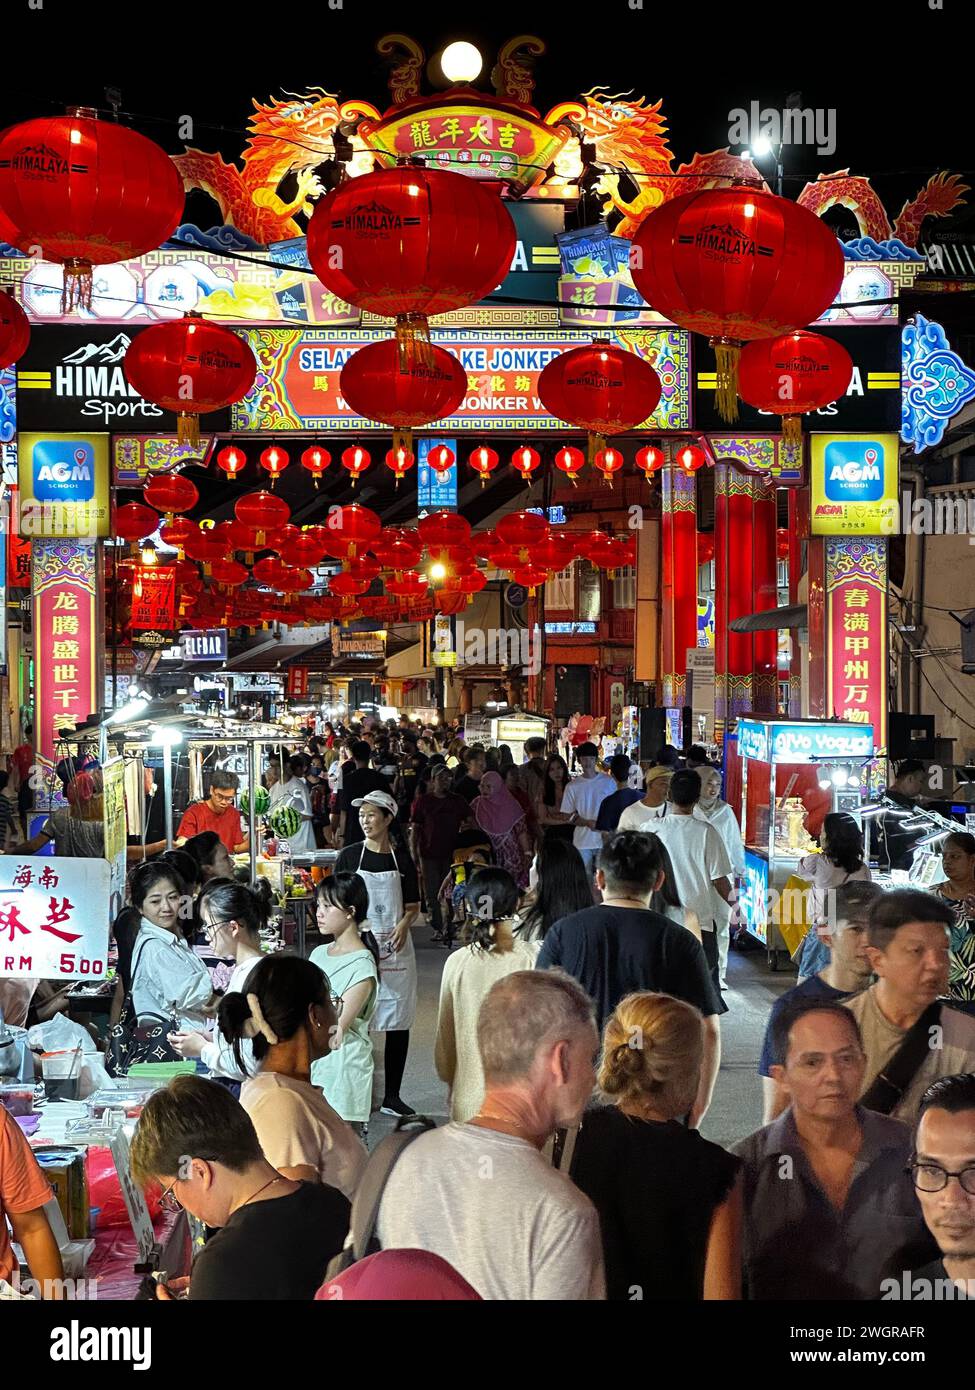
{"type": "Point", "coordinates": [316, 459]}
{"type": "Point", "coordinates": [282, 539]}
{"type": "Point", "coordinates": [531, 577]}
{"type": "Point", "coordinates": [374, 383]}
{"type": "Point", "coordinates": [609, 553]}
{"type": "Point", "coordinates": [522, 530]}
{"type": "Point", "coordinates": [134, 522]}
{"type": "Point", "coordinates": [525, 461]}
{"type": "Point", "coordinates": [400, 460]}
{"type": "Point", "coordinates": [364, 567]}
{"type": "Point", "coordinates": [231, 460]}
{"type": "Point", "coordinates": [650, 459]}
{"type": "Point", "coordinates": [484, 461]}
{"type": "Point", "coordinates": [171, 493]}
{"type": "Point", "coordinates": [356, 460]}
{"type": "Point", "coordinates": [441, 459]}
{"type": "Point", "coordinates": [268, 571]}
{"type": "Point", "coordinates": [570, 461]}
{"type": "Point", "coordinates": [192, 367]}
{"type": "Point", "coordinates": [275, 460]}
{"type": "Point", "coordinates": [347, 585]}
{"type": "Point", "coordinates": [262, 512]}
{"type": "Point", "coordinates": [444, 529]}
{"type": "Point", "coordinates": [782, 545]}
{"type": "Point", "coordinates": [554, 553]}
{"type": "Point", "coordinates": [14, 330]}
{"type": "Point", "coordinates": [736, 264]}
{"type": "Point", "coordinates": [600, 388]}
{"type": "Point", "coordinates": [400, 552]}
{"type": "Point", "coordinates": [791, 375]}
{"type": "Point", "coordinates": [691, 457]}
{"type": "Point", "coordinates": [608, 461]}
{"type": "Point", "coordinates": [207, 546]}
{"type": "Point", "coordinates": [705, 547]}
{"type": "Point", "coordinates": [308, 548]}
{"type": "Point", "coordinates": [407, 586]}
{"type": "Point", "coordinates": [411, 242]}
{"type": "Point", "coordinates": [177, 532]}
{"type": "Point", "coordinates": [229, 574]}
{"type": "Point", "coordinates": [86, 192]}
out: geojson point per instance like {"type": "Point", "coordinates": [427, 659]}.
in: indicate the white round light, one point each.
{"type": "Point", "coordinates": [761, 146]}
{"type": "Point", "coordinates": [840, 776]}
{"type": "Point", "coordinates": [460, 62]}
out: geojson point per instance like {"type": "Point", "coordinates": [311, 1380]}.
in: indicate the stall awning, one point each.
{"type": "Point", "coordinates": [796, 615]}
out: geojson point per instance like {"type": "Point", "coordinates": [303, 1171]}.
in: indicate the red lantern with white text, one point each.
{"type": "Point", "coordinates": [736, 264]}
{"type": "Point", "coordinates": [375, 386]}
{"type": "Point", "coordinates": [192, 367]}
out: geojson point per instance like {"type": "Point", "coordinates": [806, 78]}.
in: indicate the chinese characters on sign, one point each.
{"type": "Point", "coordinates": [66, 659]}
{"type": "Point", "coordinates": [54, 917]}
{"type": "Point", "coordinates": [856, 594]}
{"type": "Point", "coordinates": [154, 599]}
{"type": "Point", "coordinates": [297, 682]}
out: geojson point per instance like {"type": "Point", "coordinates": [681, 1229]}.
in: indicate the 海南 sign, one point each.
{"type": "Point", "coordinates": [63, 486]}
{"type": "Point", "coordinates": [54, 916]}
{"type": "Point", "coordinates": [872, 400]}
{"type": "Point", "coordinates": [853, 484]}
{"type": "Point", "coordinates": [200, 645]}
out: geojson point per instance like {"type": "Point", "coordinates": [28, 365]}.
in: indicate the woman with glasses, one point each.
{"type": "Point", "coordinates": [231, 915]}
{"type": "Point", "coordinates": [350, 961]}
{"type": "Point", "coordinates": [288, 1016]}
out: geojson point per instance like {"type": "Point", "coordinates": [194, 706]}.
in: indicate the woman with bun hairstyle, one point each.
{"type": "Point", "coordinates": [350, 959]}
{"type": "Point", "coordinates": [231, 915]}
{"type": "Point", "coordinates": [494, 948]}
{"type": "Point", "coordinates": [669, 1201]}
{"type": "Point", "coordinates": [288, 1015]}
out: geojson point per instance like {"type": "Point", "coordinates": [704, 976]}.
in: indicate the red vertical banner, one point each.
{"type": "Point", "coordinates": [679, 579]}
{"type": "Point", "coordinates": [816, 606]}
{"type": "Point", "coordinates": [18, 549]}
{"type": "Point", "coordinates": [67, 641]}
{"type": "Point", "coordinates": [764, 597]}
{"type": "Point", "coordinates": [720, 599]}
{"type": "Point", "coordinates": [856, 645]}
{"type": "Point", "coordinates": [297, 682]}
{"type": "Point", "coordinates": [798, 536]}
{"type": "Point", "coordinates": [153, 599]}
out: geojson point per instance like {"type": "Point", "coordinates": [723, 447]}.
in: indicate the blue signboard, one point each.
{"type": "Point", "coordinates": [435, 491]}
{"type": "Point", "coordinates": [803, 742]}
{"type": "Point", "coordinates": [753, 895]}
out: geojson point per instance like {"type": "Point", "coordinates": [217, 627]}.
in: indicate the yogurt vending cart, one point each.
{"type": "Point", "coordinates": [794, 772]}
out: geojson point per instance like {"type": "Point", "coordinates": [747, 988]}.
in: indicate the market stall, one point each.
{"type": "Point", "coordinates": [793, 774]}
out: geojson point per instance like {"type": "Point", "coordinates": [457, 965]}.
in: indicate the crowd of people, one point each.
{"type": "Point", "coordinates": [578, 1038]}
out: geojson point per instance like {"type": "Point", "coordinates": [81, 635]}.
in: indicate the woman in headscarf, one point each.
{"type": "Point", "coordinates": [503, 820]}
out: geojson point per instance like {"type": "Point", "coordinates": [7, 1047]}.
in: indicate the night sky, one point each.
{"type": "Point", "coordinates": [900, 85]}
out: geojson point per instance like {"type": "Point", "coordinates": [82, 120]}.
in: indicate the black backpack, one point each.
{"type": "Point", "coordinates": [361, 1240]}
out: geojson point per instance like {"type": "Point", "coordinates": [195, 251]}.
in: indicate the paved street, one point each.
{"type": "Point", "coordinates": [737, 1107]}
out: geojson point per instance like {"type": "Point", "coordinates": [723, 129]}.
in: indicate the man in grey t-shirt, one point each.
{"type": "Point", "coordinates": [481, 1195]}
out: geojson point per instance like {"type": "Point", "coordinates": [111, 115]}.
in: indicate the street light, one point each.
{"type": "Point", "coordinates": [460, 62]}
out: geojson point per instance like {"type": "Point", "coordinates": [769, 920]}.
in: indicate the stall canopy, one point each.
{"type": "Point", "coordinates": [772, 619]}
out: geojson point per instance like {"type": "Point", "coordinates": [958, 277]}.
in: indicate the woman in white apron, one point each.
{"type": "Point", "coordinates": [394, 901]}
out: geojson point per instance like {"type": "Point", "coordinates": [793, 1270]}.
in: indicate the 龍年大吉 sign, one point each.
{"type": "Point", "coordinates": [54, 916]}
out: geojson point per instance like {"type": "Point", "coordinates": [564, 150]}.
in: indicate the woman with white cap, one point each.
{"type": "Point", "coordinates": [388, 872]}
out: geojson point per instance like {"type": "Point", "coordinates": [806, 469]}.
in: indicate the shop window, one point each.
{"type": "Point", "coordinates": [624, 587]}
{"type": "Point", "coordinates": [589, 592]}
{"type": "Point", "coordinates": [560, 591]}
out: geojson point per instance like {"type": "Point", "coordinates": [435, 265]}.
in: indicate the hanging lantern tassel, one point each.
{"type": "Point", "coordinates": [76, 286]}
{"type": "Point", "coordinates": [792, 429]}
{"type": "Point", "coordinates": [188, 428]}
{"type": "Point", "coordinates": [413, 340]}
{"type": "Point", "coordinates": [403, 439]}
{"type": "Point", "coordinates": [596, 442]}
{"type": "Point", "coordinates": [726, 352]}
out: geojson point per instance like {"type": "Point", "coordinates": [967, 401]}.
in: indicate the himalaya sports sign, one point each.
{"type": "Point", "coordinates": [74, 379]}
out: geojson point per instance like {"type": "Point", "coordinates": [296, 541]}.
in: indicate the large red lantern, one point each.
{"type": "Point", "coordinates": [86, 192]}
{"type": "Point", "coordinates": [316, 459]}
{"type": "Point", "coordinates": [411, 242]}
{"type": "Point", "coordinates": [736, 264]}
{"type": "Point", "coordinates": [599, 388]}
{"type": "Point", "coordinates": [789, 375]}
{"type": "Point", "coordinates": [192, 367]}
{"type": "Point", "coordinates": [484, 461]}
{"type": "Point", "coordinates": [443, 529]}
{"type": "Point", "coordinates": [261, 512]}
{"type": "Point", "coordinates": [349, 529]}
{"type": "Point", "coordinates": [171, 493]}
{"type": "Point", "coordinates": [521, 530]}
{"type": "Point", "coordinates": [378, 387]}
{"type": "Point", "coordinates": [14, 330]}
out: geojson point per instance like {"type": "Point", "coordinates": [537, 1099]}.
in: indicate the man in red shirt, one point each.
{"type": "Point", "coordinates": [218, 813]}
{"type": "Point", "coordinates": [24, 1190]}
{"type": "Point", "coordinates": [22, 760]}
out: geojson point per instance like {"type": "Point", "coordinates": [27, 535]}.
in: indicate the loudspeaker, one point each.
{"type": "Point", "coordinates": [910, 736]}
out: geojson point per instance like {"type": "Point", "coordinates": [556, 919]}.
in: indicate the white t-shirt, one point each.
{"type": "Point", "coordinates": [725, 822]}
{"type": "Point", "coordinates": [698, 856]}
{"type": "Point", "coordinates": [490, 1205]}
{"type": "Point", "coordinates": [297, 793]}
{"type": "Point", "coordinates": [335, 776]}
{"type": "Point", "coordinates": [585, 795]}
{"type": "Point", "coordinates": [298, 1128]}
{"type": "Point", "coordinates": [218, 1054]}
{"type": "Point", "coordinates": [168, 979]}
{"type": "Point", "coordinates": [635, 817]}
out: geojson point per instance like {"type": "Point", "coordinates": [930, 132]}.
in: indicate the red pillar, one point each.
{"type": "Point", "coordinates": [678, 579]}
{"type": "Point", "coordinates": [733, 586]}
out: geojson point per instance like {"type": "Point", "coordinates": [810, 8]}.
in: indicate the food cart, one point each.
{"type": "Point", "coordinates": [794, 772]}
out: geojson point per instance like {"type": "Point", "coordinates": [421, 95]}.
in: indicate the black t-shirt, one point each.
{"type": "Point", "coordinates": [935, 1273]}
{"type": "Point", "coordinates": [348, 863]}
{"type": "Point", "coordinates": [613, 951]}
{"type": "Point", "coordinates": [467, 788]}
{"type": "Point", "coordinates": [355, 784]}
{"type": "Point", "coordinates": [656, 1187]}
{"type": "Point", "coordinates": [897, 845]}
{"type": "Point", "coordinates": [275, 1249]}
